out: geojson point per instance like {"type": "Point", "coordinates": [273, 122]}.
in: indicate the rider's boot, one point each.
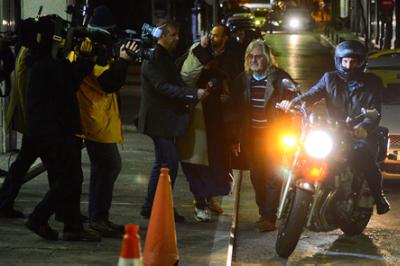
{"type": "Point", "coordinates": [382, 205]}
{"type": "Point", "coordinates": [375, 186]}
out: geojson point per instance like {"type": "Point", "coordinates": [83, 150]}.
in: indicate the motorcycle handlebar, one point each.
{"type": "Point", "coordinates": [294, 109]}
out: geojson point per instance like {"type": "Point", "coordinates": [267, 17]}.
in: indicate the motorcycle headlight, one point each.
{"type": "Point", "coordinates": [318, 144]}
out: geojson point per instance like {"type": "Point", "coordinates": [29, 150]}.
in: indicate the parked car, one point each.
{"type": "Point", "coordinates": [260, 17]}
{"type": "Point", "coordinates": [241, 20]}
{"type": "Point", "coordinates": [386, 64]}
{"type": "Point", "coordinates": [244, 23]}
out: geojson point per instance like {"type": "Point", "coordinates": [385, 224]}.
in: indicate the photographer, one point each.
{"type": "Point", "coordinates": [164, 112]}
{"type": "Point", "coordinates": [101, 122]}
{"type": "Point", "coordinates": [52, 120]}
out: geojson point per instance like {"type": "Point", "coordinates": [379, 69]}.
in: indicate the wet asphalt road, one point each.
{"type": "Point", "coordinates": [306, 59]}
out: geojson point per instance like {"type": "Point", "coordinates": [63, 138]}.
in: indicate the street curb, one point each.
{"type": "Point", "coordinates": [333, 45]}
{"type": "Point", "coordinates": [326, 39]}
{"type": "Point", "coordinates": [232, 235]}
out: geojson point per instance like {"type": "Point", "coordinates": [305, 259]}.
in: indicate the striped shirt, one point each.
{"type": "Point", "coordinates": [257, 99]}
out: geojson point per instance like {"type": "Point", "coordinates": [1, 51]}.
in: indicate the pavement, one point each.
{"type": "Point", "coordinates": [333, 37]}
{"type": "Point", "coordinates": [198, 243]}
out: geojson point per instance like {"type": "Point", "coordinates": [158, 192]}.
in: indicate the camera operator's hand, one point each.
{"type": "Point", "coordinates": [202, 93]}
{"type": "Point", "coordinates": [85, 49]}
{"type": "Point", "coordinates": [133, 47]}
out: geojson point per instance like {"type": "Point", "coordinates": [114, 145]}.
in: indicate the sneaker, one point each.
{"type": "Point", "coordinates": [82, 235]}
{"type": "Point", "coordinates": [202, 215]}
{"type": "Point", "coordinates": [265, 225]}
{"type": "Point", "coordinates": [214, 206]}
{"type": "Point", "coordinates": [11, 213]}
{"type": "Point", "coordinates": [42, 230]}
{"type": "Point", "coordinates": [105, 230]}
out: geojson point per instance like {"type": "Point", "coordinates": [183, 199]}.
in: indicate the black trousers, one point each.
{"type": "Point", "coordinates": [16, 174]}
{"type": "Point", "coordinates": [264, 172]}
{"type": "Point", "coordinates": [61, 155]}
{"type": "Point", "coordinates": [363, 159]}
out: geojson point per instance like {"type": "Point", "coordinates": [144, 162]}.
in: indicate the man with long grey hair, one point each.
{"type": "Point", "coordinates": [254, 123]}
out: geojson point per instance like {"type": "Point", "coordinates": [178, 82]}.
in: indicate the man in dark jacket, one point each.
{"type": "Point", "coordinates": [163, 113]}
{"type": "Point", "coordinates": [346, 91]}
{"type": "Point", "coordinates": [254, 123]}
{"type": "Point", "coordinates": [52, 120]}
{"type": "Point", "coordinates": [209, 59]}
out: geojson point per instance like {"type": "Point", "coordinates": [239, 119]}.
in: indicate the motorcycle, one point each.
{"type": "Point", "coordinates": [321, 191]}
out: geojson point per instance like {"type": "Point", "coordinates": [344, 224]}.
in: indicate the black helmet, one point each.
{"type": "Point", "coordinates": [353, 49]}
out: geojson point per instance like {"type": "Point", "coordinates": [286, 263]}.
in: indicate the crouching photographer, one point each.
{"type": "Point", "coordinates": [100, 118]}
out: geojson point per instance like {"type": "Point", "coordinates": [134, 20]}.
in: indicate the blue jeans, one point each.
{"type": "Point", "coordinates": [166, 155]}
{"type": "Point", "coordinates": [105, 166]}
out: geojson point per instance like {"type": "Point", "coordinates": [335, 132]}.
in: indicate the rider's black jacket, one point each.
{"type": "Point", "coordinates": [345, 98]}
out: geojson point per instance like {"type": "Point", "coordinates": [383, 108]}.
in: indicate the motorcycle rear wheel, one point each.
{"type": "Point", "coordinates": [357, 224]}
{"type": "Point", "coordinates": [293, 223]}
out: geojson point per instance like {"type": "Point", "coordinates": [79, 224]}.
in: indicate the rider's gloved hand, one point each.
{"type": "Point", "coordinates": [284, 105]}
{"type": "Point", "coordinates": [360, 132]}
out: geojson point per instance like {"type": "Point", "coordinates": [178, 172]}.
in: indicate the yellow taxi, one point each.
{"type": "Point", "coordinates": [386, 65]}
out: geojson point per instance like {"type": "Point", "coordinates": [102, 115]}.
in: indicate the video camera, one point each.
{"type": "Point", "coordinates": [146, 41]}
{"type": "Point", "coordinates": [114, 39]}
{"type": "Point", "coordinates": [43, 34]}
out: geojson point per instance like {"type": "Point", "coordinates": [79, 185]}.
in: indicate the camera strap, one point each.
{"type": "Point", "coordinates": [57, 39]}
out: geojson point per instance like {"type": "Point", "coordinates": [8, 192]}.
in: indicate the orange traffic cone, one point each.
{"type": "Point", "coordinates": [130, 251]}
{"type": "Point", "coordinates": [161, 247]}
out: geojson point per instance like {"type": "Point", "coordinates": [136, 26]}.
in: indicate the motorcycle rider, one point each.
{"type": "Point", "coordinates": [346, 91]}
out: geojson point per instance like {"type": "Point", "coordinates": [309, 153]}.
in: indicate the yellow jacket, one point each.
{"type": "Point", "coordinates": [100, 117]}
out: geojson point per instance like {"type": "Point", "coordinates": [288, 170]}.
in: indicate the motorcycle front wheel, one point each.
{"type": "Point", "coordinates": [293, 222]}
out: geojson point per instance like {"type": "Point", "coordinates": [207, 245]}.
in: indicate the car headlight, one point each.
{"type": "Point", "coordinates": [294, 23]}
{"type": "Point", "coordinates": [318, 144]}
{"type": "Point", "coordinates": [275, 23]}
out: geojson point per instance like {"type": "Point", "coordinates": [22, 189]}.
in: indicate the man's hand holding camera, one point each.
{"type": "Point", "coordinates": [204, 41]}
{"type": "Point", "coordinates": [130, 47]}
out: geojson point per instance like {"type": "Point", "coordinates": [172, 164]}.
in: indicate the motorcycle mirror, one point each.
{"type": "Point", "coordinates": [290, 85]}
